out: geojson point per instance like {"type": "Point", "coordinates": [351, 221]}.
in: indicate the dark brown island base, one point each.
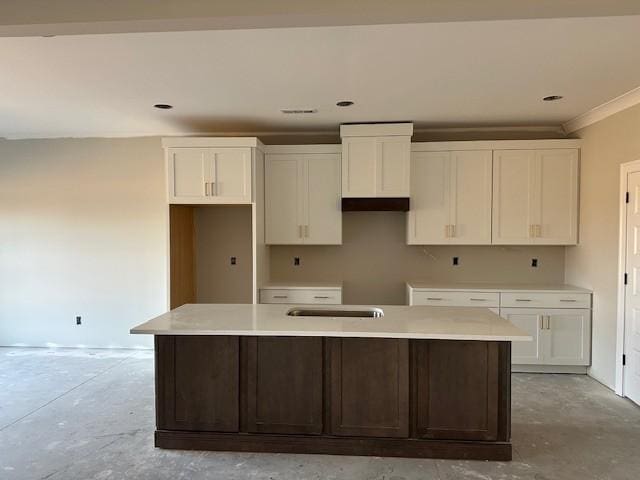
{"type": "Point", "coordinates": [397, 397]}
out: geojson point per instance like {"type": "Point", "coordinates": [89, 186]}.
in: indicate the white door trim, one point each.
{"type": "Point", "coordinates": [625, 170]}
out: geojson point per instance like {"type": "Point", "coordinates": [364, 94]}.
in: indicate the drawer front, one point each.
{"type": "Point", "coordinates": [545, 300]}
{"type": "Point", "coordinates": [304, 296]}
{"type": "Point", "coordinates": [456, 299]}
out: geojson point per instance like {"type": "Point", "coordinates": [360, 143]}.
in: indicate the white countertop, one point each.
{"type": "Point", "coordinates": [445, 323]}
{"type": "Point", "coordinates": [497, 287]}
{"type": "Point", "coordinates": [302, 286]}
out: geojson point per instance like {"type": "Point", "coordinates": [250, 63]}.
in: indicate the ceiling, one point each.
{"type": "Point", "coordinates": [489, 73]}
{"type": "Point", "coordinates": [29, 17]}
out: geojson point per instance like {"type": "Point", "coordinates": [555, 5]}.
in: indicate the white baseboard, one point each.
{"type": "Point", "coordinates": [549, 369]}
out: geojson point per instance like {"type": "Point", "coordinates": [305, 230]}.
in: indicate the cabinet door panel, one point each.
{"type": "Point", "coordinates": [359, 167]}
{"type": "Point", "coordinates": [232, 174]}
{"type": "Point", "coordinates": [322, 189]}
{"type": "Point", "coordinates": [393, 161]}
{"type": "Point", "coordinates": [284, 385]}
{"type": "Point", "coordinates": [456, 389]}
{"type": "Point", "coordinates": [529, 320]}
{"type": "Point", "coordinates": [198, 378]}
{"type": "Point", "coordinates": [556, 200]}
{"type": "Point", "coordinates": [369, 405]}
{"type": "Point", "coordinates": [430, 198]}
{"type": "Point", "coordinates": [568, 337]}
{"type": "Point", "coordinates": [189, 169]}
{"type": "Point", "coordinates": [513, 183]}
{"type": "Point", "coordinates": [471, 174]}
{"type": "Point", "coordinates": [282, 225]}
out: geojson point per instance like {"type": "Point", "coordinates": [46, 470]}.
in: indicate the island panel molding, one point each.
{"type": "Point", "coordinates": [323, 395]}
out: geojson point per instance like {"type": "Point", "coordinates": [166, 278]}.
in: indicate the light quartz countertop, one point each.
{"type": "Point", "coordinates": [445, 323]}
{"type": "Point", "coordinates": [301, 286]}
{"type": "Point", "coordinates": [496, 287]}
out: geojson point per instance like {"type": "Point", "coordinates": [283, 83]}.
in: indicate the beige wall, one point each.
{"type": "Point", "coordinates": [374, 261]}
{"type": "Point", "coordinates": [223, 232]}
{"type": "Point", "coordinates": [594, 263]}
{"type": "Point", "coordinates": [83, 231]}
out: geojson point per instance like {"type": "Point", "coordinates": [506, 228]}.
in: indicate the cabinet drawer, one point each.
{"type": "Point", "coordinates": [456, 299]}
{"type": "Point", "coordinates": [307, 296]}
{"type": "Point", "coordinates": [545, 300]}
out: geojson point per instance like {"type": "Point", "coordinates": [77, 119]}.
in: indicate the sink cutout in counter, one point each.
{"type": "Point", "coordinates": [324, 312]}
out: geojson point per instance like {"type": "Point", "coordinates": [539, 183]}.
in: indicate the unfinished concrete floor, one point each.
{"type": "Point", "coordinates": [89, 414]}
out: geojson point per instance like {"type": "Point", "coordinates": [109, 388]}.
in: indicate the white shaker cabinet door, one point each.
{"type": "Point", "coordinates": [513, 184]}
{"type": "Point", "coordinates": [529, 320]}
{"type": "Point", "coordinates": [232, 174]}
{"type": "Point", "coordinates": [568, 337]}
{"type": "Point", "coordinates": [428, 219]}
{"type": "Point", "coordinates": [321, 190]}
{"type": "Point", "coordinates": [470, 178]}
{"type": "Point", "coordinates": [393, 164]}
{"type": "Point", "coordinates": [359, 166]}
{"type": "Point", "coordinates": [555, 201]}
{"type": "Point", "coordinates": [189, 172]}
{"type": "Point", "coordinates": [282, 202]}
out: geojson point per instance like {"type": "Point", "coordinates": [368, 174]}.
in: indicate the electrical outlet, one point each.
{"type": "Point", "coordinates": [296, 261]}
{"type": "Point", "coordinates": [78, 320]}
{"type": "Point", "coordinates": [534, 262]}
{"type": "Point", "coordinates": [233, 260]}
{"type": "Point", "coordinates": [456, 261]}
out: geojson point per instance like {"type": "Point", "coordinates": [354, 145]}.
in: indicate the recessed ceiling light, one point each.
{"type": "Point", "coordinates": [552, 98]}
{"type": "Point", "coordinates": [344, 103]}
{"type": "Point", "coordinates": [163, 106]}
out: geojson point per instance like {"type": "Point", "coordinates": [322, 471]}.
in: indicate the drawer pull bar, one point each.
{"type": "Point", "coordinates": [321, 296]}
{"type": "Point", "coordinates": [280, 296]}
{"type": "Point", "coordinates": [523, 299]}
{"type": "Point", "coordinates": [478, 299]}
{"type": "Point", "coordinates": [567, 300]}
{"type": "Point", "coordinates": [433, 298]}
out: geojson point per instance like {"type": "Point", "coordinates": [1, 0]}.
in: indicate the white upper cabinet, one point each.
{"type": "Point", "coordinates": [376, 160]}
{"type": "Point", "coordinates": [189, 171]}
{"type": "Point", "coordinates": [535, 197]}
{"type": "Point", "coordinates": [450, 198]}
{"type": "Point", "coordinates": [302, 198]}
{"type": "Point", "coordinates": [231, 174]}
{"type": "Point", "coordinates": [210, 170]}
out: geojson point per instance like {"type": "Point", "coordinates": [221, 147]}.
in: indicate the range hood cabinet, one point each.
{"type": "Point", "coordinates": [376, 162]}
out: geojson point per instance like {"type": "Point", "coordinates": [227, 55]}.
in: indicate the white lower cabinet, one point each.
{"type": "Point", "coordinates": [560, 336]}
{"type": "Point", "coordinates": [300, 295]}
{"type": "Point", "coordinates": [559, 322]}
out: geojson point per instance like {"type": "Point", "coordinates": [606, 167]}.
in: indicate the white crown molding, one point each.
{"type": "Point", "coordinates": [603, 111]}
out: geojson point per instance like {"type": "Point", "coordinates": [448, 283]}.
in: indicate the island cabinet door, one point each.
{"type": "Point", "coordinates": [369, 384]}
{"type": "Point", "coordinates": [456, 389]}
{"type": "Point", "coordinates": [284, 384]}
{"type": "Point", "coordinates": [197, 379]}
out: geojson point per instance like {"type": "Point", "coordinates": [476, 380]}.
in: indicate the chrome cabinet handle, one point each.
{"type": "Point", "coordinates": [206, 189]}
{"type": "Point", "coordinates": [214, 189]}
{"type": "Point", "coordinates": [541, 322]}
{"type": "Point", "coordinates": [567, 300]}
{"type": "Point", "coordinates": [523, 299]}
{"type": "Point", "coordinates": [433, 298]}
{"type": "Point", "coordinates": [548, 322]}
{"type": "Point", "coordinates": [280, 296]}
{"type": "Point", "coordinates": [478, 299]}
{"type": "Point", "coordinates": [321, 296]}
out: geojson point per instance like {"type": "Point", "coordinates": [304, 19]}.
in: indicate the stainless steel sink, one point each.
{"type": "Point", "coordinates": [325, 312]}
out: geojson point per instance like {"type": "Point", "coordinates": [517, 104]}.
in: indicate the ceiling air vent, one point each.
{"type": "Point", "coordinates": [298, 111]}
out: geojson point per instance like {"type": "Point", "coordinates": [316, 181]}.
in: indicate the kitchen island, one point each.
{"type": "Point", "coordinates": [415, 382]}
